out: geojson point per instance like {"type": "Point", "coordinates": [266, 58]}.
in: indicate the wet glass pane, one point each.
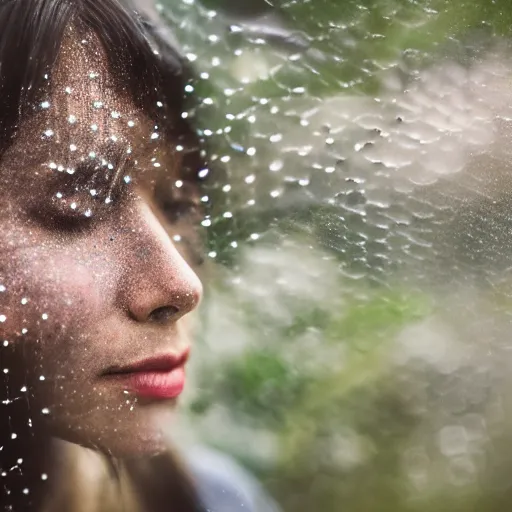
{"type": "Point", "coordinates": [355, 336]}
{"type": "Point", "coordinates": [306, 202]}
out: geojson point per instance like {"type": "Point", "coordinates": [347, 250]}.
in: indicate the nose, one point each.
{"type": "Point", "coordinates": [156, 284]}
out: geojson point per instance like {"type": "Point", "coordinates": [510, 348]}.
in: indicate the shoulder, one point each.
{"type": "Point", "coordinates": [223, 486]}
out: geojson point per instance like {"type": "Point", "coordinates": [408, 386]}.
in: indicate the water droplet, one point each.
{"type": "Point", "coordinates": [14, 436]}
{"type": "Point", "coordinates": [6, 370]}
{"type": "Point", "coordinates": [2, 288]}
{"type": "Point", "coordinates": [6, 343]}
{"type": "Point", "coordinates": [24, 300]}
{"type": "Point", "coordinates": [97, 104]}
{"type": "Point", "coordinates": [251, 151]}
{"type": "Point", "coordinates": [41, 377]}
{"type": "Point", "coordinates": [68, 90]}
{"type": "Point", "coordinates": [44, 476]}
{"type": "Point", "coordinates": [23, 389]}
{"type": "Point", "coordinates": [179, 183]}
{"type": "Point", "coordinates": [154, 136]}
{"type": "Point", "coordinates": [72, 119]}
{"type": "Point", "coordinates": [24, 330]}
{"type": "Point", "coordinates": [212, 254]}
{"type": "Point", "coordinates": [131, 124]}
{"type": "Point", "coordinates": [94, 127]}
{"type": "Point", "coordinates": [25, 491]}
{"type": "Point", "coordinates": [127, 179]}
{"type": "Point", "coordinates": [3, 318]}
{"type": "Point", "coordinates": [45, 411]}
{"type": "Point", "coordinates": [206, 223]}
{"type": "Point", "coordinates": [115, 114]}
{"type": "Point", "coordinates": [72, 147]}
{"type": "Point", "coordinates": [276, 165]}
{"type": "Point", "coordinates": [45, 104]}
{"type": "Point", "coordinates": [250, 179]}
{"type": "Point", "coordinates": [49, 133]}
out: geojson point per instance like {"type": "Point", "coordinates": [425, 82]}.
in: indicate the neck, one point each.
{"type": "Point", "coordinates": [24, 456]}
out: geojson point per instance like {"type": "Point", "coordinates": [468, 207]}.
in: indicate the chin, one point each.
{"type": "Point", "coordinates": [144, 432]}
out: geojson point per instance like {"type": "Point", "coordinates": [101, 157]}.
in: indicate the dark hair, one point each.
{"type": "Point", "coordinates": [31, 33]}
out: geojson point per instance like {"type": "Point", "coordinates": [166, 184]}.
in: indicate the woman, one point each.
{"type": "Point", "coordinates": [98, 214]}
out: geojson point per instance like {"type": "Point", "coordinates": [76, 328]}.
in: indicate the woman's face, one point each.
{"type": "Point", "coordinates": [92, 278]}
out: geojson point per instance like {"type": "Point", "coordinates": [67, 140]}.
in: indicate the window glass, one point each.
{"type": "Point", "coordinates": [355, 341]}
{"type": "Point", "coordinates": [255, 255]}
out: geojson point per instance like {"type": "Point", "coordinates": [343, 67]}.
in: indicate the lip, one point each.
{"type": "Point", "coordinates": [160, 377]}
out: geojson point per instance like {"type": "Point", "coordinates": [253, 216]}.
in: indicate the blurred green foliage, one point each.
{"type": "Point", "coordinates": [350, 429]}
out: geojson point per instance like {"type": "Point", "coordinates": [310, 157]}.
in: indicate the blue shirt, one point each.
{"type": "Point", "coordinates": [223, 486]}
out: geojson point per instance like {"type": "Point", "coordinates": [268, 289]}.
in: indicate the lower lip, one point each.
{"type": "Point", "coordinates": [157, 384]}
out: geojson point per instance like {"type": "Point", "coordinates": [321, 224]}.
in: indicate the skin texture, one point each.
{"type": "Point", "coordinates": [94, 277]}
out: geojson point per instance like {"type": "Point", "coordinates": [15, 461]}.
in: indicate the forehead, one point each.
{"type": "Point", "coordinates": [85, 113]}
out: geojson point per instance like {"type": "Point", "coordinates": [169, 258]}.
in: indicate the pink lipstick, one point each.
{"type": "Point", "coordinates": [161, 377]}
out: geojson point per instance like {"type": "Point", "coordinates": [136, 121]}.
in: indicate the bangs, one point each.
{"type": "Point", "coordinates": [148, 69]}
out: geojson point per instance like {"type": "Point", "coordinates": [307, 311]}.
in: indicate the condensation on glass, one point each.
{"type": "Point", "coordinates": [354, 348]}
{"type": "Point", "coordinates": [359, 235]}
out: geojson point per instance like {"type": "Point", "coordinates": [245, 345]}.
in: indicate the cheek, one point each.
{"type": "Point", "coordinates": [46, 295]}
